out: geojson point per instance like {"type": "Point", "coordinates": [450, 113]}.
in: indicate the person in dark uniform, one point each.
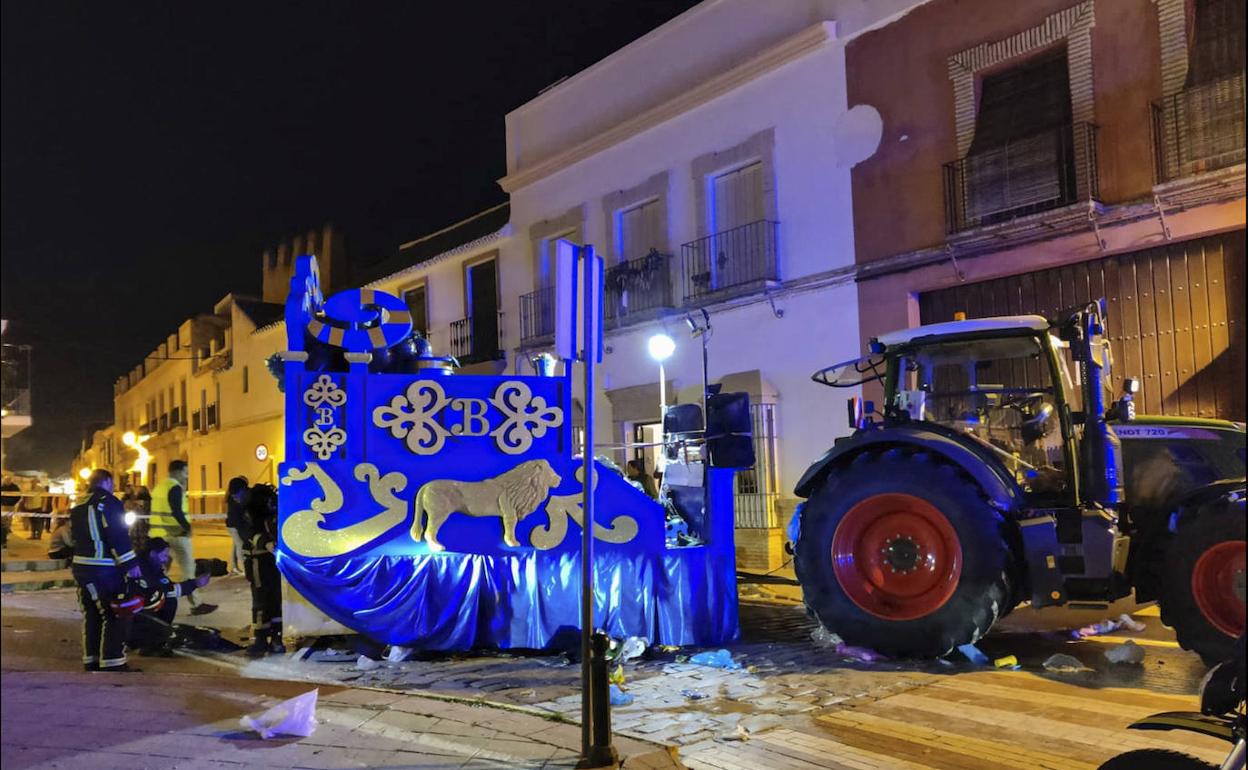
{"type": "Point", "coordinates": [102, 557]}
{"type": "Point", "coordinates": [261, 567]}
{"type": "Point", "coordinates": [152, 632]}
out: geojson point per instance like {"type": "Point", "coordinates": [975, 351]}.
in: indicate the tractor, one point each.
{"type": "Point", "coordinates": [1006, 468]}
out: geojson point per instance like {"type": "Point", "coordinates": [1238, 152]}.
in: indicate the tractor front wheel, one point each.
{"type": "Point", "coordinates": [1202, 597]}
{"type": "Point", "coordinates": [902, 553]}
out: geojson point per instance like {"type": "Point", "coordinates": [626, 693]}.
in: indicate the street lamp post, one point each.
{"type": "Point", "coordinates": [661, 348]}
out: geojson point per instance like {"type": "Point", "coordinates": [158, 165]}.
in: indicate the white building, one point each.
{"type": "Point", "coordinates": [709, 162]}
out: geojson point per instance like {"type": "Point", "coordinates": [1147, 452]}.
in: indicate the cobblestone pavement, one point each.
{"type": "Point", "coordinates": [64, 721]}
{"type": "Point", "coordinates": [789, 689]}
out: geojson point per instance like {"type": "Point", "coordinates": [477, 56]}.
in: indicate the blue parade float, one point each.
{"type": "Point", "coordinates": [442, 511]}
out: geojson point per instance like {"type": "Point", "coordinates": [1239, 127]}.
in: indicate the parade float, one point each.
{"type": "Point", "coordinates": [443, 511]}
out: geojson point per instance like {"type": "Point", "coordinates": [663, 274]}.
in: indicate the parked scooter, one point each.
{"type": "Point", "coordinates": [1221, 716]}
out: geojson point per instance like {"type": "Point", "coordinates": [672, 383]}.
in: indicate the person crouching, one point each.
{"type": "Point", "coordinates": [152, 631]}
{"type": "Point", "coordinates": [102, 557]}
{"type": "Point", "coordinates": [262, 573]}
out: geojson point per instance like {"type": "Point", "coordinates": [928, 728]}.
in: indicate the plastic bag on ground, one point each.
{"type": "Point", "coordinates": [1130, 653]}
{"type": "Point", "coordinates": [716, 659]}
{"type": "Point", "coordinates": [397, 653]}
{"type": "Point", "coordinates": [1130, 623]}
{"type": "Point", "coordinates": [632, 648]}
{"type": "Point", "coordinates": [296, 716]}
{"type": "Point", "coordinates": [365, 663]}
{"type": "Point", "coordinates": [619, 697]}
{"type": "Point", "coordinates": [822, 637]}
{"type": "Point", "coordinates": [859, 653]}
{"type": "Point", "coordinates": [1064, 664]}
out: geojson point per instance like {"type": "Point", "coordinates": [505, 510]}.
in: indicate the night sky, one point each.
{"type": "Point", "coordinates": [152, 152]}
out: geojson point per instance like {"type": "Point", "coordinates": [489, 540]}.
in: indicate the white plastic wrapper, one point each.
{"type": "Point", "coordinates": [296, 716]}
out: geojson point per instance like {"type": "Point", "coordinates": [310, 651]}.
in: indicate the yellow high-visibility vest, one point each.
{"type": "Point", "coordinates": [162, 523]}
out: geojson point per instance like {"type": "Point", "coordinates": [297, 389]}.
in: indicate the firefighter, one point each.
{"type": "Point", "coordinates": [261, 567]}
{"type": "Point", "coordinates": [102, 557]}
{"type": "Point", "coordinates": [170, 523]}
{"type": "Point", "coordinates": [152, 632]}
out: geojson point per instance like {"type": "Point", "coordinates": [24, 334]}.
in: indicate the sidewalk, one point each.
{"type": "Point", "coordinates": [190, 722]}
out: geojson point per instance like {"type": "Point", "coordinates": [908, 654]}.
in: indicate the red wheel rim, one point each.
{"type": "Point", "coordinates": [896, 556]}
{"type": "Point", "coordinates": [1218, 586]}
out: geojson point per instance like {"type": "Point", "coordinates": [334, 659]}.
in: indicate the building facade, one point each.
{"type": "Point", "coordinates": [1042, 155]}
{"type": "Point", "coordinates": [205, 394]}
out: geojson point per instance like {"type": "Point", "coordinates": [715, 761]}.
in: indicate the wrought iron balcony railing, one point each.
{"type": "Point", "coordinates": [1046, 170]}
{"type": "Point", "coordinates": [473, 345]}
{"type": "Point", "coordinates": [1199, 129]}
{"type": "Point", "coordinates": [212, 416]}
{"type": "Point", "coordinates": [164, 423]}
{"type": "Point", "coordinates": [739, 258]}
{"type": "Point", "coordinates": [537, 315]}
{"type": "Point", "coordinates": [197, 420]}
{"type": "Point", "coordinates": [634, 288]}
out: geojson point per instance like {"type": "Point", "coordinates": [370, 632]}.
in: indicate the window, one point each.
{"type": "Point", "coordinates": [1216, 40]}
{"type": "Point", "coordinates": [737, 198]}
{"type": "Point", "coordinates": [546, 258]}
{"type": "Point", "coordinates": [639, 230]}
{"type": "Point", "coordinates": [476, 339]}
{"type": "Point", "coordinates": [1021, 158]}
{"type": "Point", "coordinates": [417, 305]}
{"type": "Point", "coordinates": [245, 380]}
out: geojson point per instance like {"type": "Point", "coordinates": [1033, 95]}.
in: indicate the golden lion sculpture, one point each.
{"type": "Point", "coordinates": [512, 496]}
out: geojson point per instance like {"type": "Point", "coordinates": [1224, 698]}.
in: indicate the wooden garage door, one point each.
{"type": "Point", "coordinates": [1176, 317]}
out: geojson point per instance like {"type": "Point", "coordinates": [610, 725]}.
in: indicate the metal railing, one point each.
{"type": "Point", "coordinates": [637, 286]}
{"type": "Point", "coordinates": [758, 488]}
{"type": "Point", "coordinates": [176, 417]}
{"type": "Point", "coordinates": [537, 315]}
{"type": "Point", "coordinates": [1046, 170]}
{"type": "Point", "coordinates": [197, 420]}
{"type": "Point", "coordinates": [212, 416]}
{"type": "Point", "coordinates": [740, 257]}
{"type": "Point", "coordinates": [471, 347]}
{"type": "Point", "coordinates": [15, 380]}
{"type": "Point", "coordinates": [1199, 129]}
{"type": "Point", "coordinates": [163, 424]}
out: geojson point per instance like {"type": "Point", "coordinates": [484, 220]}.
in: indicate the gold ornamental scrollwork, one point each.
{"type": "Point", "coordinates": [324, 391]}
{"type": "Point", "coordinates": [527, 417]}
{"type": "Point", "coordinates": [304, 532]}
{"type": "Point", "coordinates": [412, 417]}
{"type": "Point", "coordinates": [561, 508]}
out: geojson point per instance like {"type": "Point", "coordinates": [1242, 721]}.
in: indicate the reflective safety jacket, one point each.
{"type": "Point", "coordinates": [101, 537]}
{"type": "Point", "coordinates": [163, 523]}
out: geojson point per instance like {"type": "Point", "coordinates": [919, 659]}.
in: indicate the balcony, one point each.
{"type": "Point", "coordinates": [537, 316]}
{"type": "Point", "coordinates": [164, 423]}
{"type": "Point", "coordinates": [1044, 171]}
{"type": "Point", "coordinates": [637, 289]}
{"type": "Point", "coordinates": [474, 343]}
{"type": "Point", "coordinates": [177, 418]}
{"type": "Point", "coordinates": [1199, 129]}
{"type": "Point", "coordinates": [197, 420]}
{"type": "Point", "coordinates": [730, 262]}
{"type": "Point", "coordinates": [212, 417]}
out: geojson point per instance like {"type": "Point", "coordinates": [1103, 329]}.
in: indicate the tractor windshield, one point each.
{"type": "Point", "coordinates": [997, 390]}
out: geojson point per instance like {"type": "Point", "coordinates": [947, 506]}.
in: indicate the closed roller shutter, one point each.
{"type": "Point", "coordinates": [1176, 318]}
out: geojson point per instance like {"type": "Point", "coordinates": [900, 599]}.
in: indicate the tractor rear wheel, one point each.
{"type": "Point", "coordinates": [1202, 596]}
{"type": "Point", "coordinates": [902, 553]}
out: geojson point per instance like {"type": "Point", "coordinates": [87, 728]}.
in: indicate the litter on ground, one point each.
{"type": "Point", "coordinates": [296, 716]}
{"type": "Point", "coordinates": [693, 694]}
{"type": "Point", "coordinates": [1061, 663]}
{"type": "Point", "coordinates": [1129, 653]}
{"type": "Point", "coordinates": [972, 653]}
{"type": "Point", "coordinates": [365, 663]}
{"type": "Point", "coordinates": [717, 659]}
{"type": "Point", "coordinates": [619, 697]}
{"type": "Point", "coordinates": [1108, 626]}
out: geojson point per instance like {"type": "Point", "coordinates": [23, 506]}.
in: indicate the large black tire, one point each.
{"type": "Point", "coordinates": [989, 565]}
{"type": "Point", "coordinates": [1156, 759]}
{"type": "Point", "coordinates": [1215, 524]}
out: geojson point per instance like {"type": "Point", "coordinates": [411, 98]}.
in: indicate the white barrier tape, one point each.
{"type": "Point", "coordinates": [27, 515]}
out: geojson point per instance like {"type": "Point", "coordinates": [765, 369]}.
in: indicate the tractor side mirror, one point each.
{"type": "Point", "coordinates": [1124, 410]}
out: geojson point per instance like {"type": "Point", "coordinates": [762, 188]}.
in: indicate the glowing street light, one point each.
{"type": "Point", "coordinates": [84, 473]}
{"type": "Point", "coordinates": [661, 348]}
{"type": "Point", "coordinates": [135, 442]}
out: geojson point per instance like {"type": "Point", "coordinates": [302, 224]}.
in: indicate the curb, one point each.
{"type": "Point", "coordinates": [34, 565]}
{"type": "Point", "coordinates": [36, 585]}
